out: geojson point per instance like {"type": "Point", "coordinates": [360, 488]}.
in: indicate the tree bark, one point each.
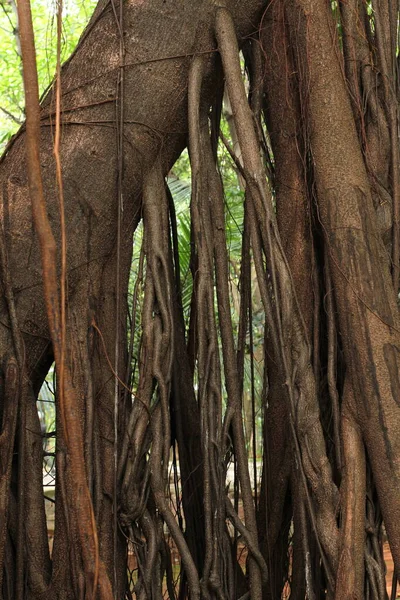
{"type": "Point", "coordinates": [368, 314]}
{"type": "Point", "coordinates": [164, 42]}
{"type": "Point", "coordinates": [160, 42]}
{"type": "Point", "coordinates": [293, 213]}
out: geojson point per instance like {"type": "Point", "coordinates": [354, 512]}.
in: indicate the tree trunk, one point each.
{"type": "Point", "coordinates": [160, 43]}
{"type": "Point", "coordinates": [318, 165]}
{"type": "Point", "coordinates": [368, 314]}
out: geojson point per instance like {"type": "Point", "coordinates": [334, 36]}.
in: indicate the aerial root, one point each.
{"type": "Point", "coordinates": [281, 307]}
{"type": "Point", "coordinates": [149, 423]}
{"type": "Point", "coordinates": [158, 488]}
{"type": "Point", "coordinates": [227, 43]}
{"type": "Point", "coordinates": [210, 401]}
{"type": "Point", "coordinates": [251, 543]}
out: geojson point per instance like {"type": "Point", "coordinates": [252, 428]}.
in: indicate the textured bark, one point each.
{"type": "Point", "coordinates": [350, 576]}
{"type": "Point", "coordinates": [283, 316]}
{"type": "Point", "coordinates": [368, 110]}
{"type": "Point", "coordinates": [283, 118]}
{"type": "Point", "coordinates": [159, 45]}
{"type": "Point", "coordinates": [368, 315]}
{"type": "Point", "coordinates": [10, 391]}
{"type": "Point", "coordinates": [333, 155]}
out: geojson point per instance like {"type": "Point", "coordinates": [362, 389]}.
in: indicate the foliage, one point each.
{"type": "Point", "coordinates": [76, 14]}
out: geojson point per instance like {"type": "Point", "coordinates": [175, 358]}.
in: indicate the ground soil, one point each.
{"type": "Point", "coordinates": [389, 573]}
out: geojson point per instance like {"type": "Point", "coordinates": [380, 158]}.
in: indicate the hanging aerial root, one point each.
{"type": "Point", "coordinates": [332, 354]}
{"type": "Point", "coordinates": [155, 375]}
{"type": "Point", "coordinates": [9, 422]}
{"type": "Point", "coordinates": [248, 538]}
{"type": "Point", "coordinates": [156, 346]}
{"type": "Point", "coordinates": [232, 381]}
{"type": "Point", "coordinates": [134, 441]}
{"type": "Point", "coordinates": [350, 574]}
{"type": "Point", "coordinates": [157, 485]}
{"type": "Point", "coordinates": [255, 68]}
{"type": "Point", "coordinates": [79, 502]}
{"type": "Point", "coordinates": [209, 393]}
{"type": "Point", "coordinates": [149, 527]}
{"type": "Point", "coordinates": [286, 318]}
{"type": "Point", "coordinates": [159, 264]}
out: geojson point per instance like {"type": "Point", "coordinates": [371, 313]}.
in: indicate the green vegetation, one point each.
{"type": "Point", "coordinates": [76, 14]}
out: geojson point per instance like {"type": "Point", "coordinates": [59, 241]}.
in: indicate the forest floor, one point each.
{"type": "Point", "coordinates": [49, 491]}
{"type": "Point", "coordinates": [389, 570]}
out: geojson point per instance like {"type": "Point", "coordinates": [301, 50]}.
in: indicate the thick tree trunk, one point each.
{"type": "Point", "coordinates": [293, 211]}
{"type": "Point", "coordinates": [160, 41]}
{"type": "Point", "coordinates": [109, 169]}
{"type": "Point", "coordinates": [368, 313]}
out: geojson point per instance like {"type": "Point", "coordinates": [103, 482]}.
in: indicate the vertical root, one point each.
{"type": "Point", "coordinates": [11, 393]}
{"type": "Point", "coordinates": [209, 393]}
{"type": "Point", "coordinates": [350, 575]}
{"type": "Point", "coordinates": [159, 496]}
{"type": "Point", "coordinates": [285, 319]}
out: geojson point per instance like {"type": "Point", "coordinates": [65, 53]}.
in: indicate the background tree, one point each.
{"type": "Point", "coordinates": [153, 374]}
